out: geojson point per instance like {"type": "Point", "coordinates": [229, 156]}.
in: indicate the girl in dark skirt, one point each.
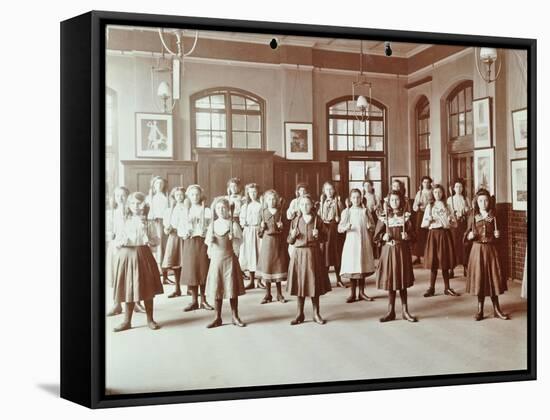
{"type": "Point", "coordinates": [423, 197]}
{"type": "Point", "coordinates": [273, 259]}
{"type": "Point", "coordinates": [394, 231]}
{"type": "Point", "coordinates": [225, 278]}
{"type": "Point", "coordinates": [157, 200]}
{"type": "Point", "coordinates": [460, 207]}
{"type": "Point", "coordinates": [307, 273]}
{"type": "Point", "coordinates": [174, 243]}
{"type": "Point", "coordinates": [135, 272]}
{"type": "Point", "coordinates": [330, 208]}
{"type": "Point", "coordinates": [484, 274]}
{"type": "Point", "coordinates": [439, 253]}
{"type": "Point", "coordinates": [192, 229]}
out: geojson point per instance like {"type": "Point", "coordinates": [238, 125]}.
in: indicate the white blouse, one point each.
{"type": "Point", "coordinates": [438, 215]}
{"type": "Point", "coordinates": [422, 199]}
{"type": "Point", "coordinates": [157, 206]}
{"type": "Point", "coordinates": [459, 204]}
{"type": "Point", "coordinates": [251, 214]}
{"type": "Point", "coordinates": [195, 221]}
{"type": "Point", "coordinates": [136, 231]}
{"type": "Point", "coordinates": [173, 216]}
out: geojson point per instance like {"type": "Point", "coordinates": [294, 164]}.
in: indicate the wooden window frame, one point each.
{"type": "Point", "coordinates": [454, 94]}
{"type": "Point", "coordinates": [421, 154]}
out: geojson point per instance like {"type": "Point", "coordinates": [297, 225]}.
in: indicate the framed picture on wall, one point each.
{"type": "Point", "coordinates": [404, 179]}
{"type": "Point", "coordinates": [482, 122]}
{"type": "Point", "coordinates": [519, 184]}
{"type": "Point", "coordinates": [484, 169]}
{"type": "Point", "coordinates": [154, 137]}
{"type": "Point", "coordinates": [299, 140]}
{"type": "Point", "coordinates": [519, 127]}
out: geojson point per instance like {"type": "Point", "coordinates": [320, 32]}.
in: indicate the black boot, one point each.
{"type": "Point", "coordinates": [149, 311]}
{"type": "Point", "coordinates": [234, 302]}
{"type": "Point", "coordinates": [218, 320]}
{"type": "Point", "coordinates": [362, 294]}
{"type": "Point", "coordinates": [496, 307]}
{"type": "Point", "coordinates": [300, 315]}
{"type": "Point", "coordinates": [431, 290]}
{"type": "Point", "coordinates": [390, 315]}
{"type": "Point", "coordinates": [353, 289]}
{"type": "Point", "coordinates": [268, 297]}
{"type": "Point", "coordinates": [194, 305]}
{"type": "Point", "coordinates": [280, 297]}
{"type": "Point", "coordinates": [405, 307]}
{"type": "Point", "coordinates": [316, 311]}
{"type": "Point", "coordinates": [480, 301]}
{"type": "Point", "coordinates": [127, 324]}
{"type": "Point", "coordinates": [448, 291]}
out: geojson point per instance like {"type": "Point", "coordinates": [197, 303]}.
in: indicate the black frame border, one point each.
{"type": "Point", "coordinates": [82, 74]}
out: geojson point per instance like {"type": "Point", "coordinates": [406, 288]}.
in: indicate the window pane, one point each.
{"type": "Point", "coordinates": [202, 120]}
{"type": "Point", "coordinates": [461, 106]}
{"type": "Point", "coordinates": [454, 105]}
{"type": "Point", "coordinates": [461, 124]}
{"type": "Point", "coordinates": [239, 122]}
{"type": "Point", "coordinates": [218, 122]}
{"type": "Point", "coordinates": [423, 142]}
{"type": "Point", "coordinates": [253, 123]}
{"type": "Point", "coordinates": [338, 109]}
{"type": "Point", "coordinates": [239, 139]}
{"type": "Point", "coordinates": [373, 170]}
{"type": "Point", "coordinates": [375, 144]}
{"type": "Point", "coordinates": [341, 127]}
{"type": "Point", "coordinates": [218, 101]}
{"type": "Point", "coordinates": [377, 128]}
{"type": "Point", "coordinates": [218, 139]}
{"type": "Point", "coordinates": [356, 170]}
{"type": "Point", "coordinates": [469, 125]}
{"type": "Point", "coordinates": [203, 102]}
{"type": "Point", "coordinates": [454, 126]}
{"type": "Point", "coordinates": [359, 143]}
{"type": "Point", "coordinates": [252, 105]}
{"type": "Point", "coordinates": [469, 98]}
{"type": "Point", "coordinates": [335, 167]}
{"type": "Point", "coordinates": [237, 102]}
{"type": "Point", "coordinates": [359, 127]}
{"type": "Point", "coordinates": [356, 184]}
{"type": "Point", "coordinates": [203, 138]}
{"type": "Point", "coordinates": [254, 141]}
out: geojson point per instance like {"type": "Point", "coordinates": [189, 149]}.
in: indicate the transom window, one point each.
{"type": "Point", "coordinates": [347, 133]}
{"type": "Point", "coordinates": [459, 111]}
{"type": "Point", "coordinates": [226, 118]}
{"type": "Point", "coordinates": [423, 164]}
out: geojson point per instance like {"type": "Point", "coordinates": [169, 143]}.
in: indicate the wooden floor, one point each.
{"type": "Point", "coordinates": [184, 355]}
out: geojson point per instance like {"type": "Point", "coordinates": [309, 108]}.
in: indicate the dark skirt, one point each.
{"type": "Point", "coordinates": [484, 274]}
{"type": "Point", "coordinates": [461, 249]}
{"type": "Point", "coordinates": [421, 235]}
{"type": "Point", "coordinates": [136, 275]}
{"type": "Point", "coordinates": [195, 260]}
{"type": "Point", "coordinates": [307, 273]}
{"type": "Point", "coordinates": [273, 259]}
{"type": "Point", "coordinates": [332, 248]}
{"type": "Point", "coordinates": [395, 269]}
{"type": "Point", "coordinates": [225, 278]}
{"type": "Point", "coordinates": [439, 251]}
{"type": "Point", "coordinates": [172, 253]}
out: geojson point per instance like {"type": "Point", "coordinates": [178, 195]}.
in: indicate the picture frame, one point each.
{"type": "Point", "coordinates": [482, 111]}
{"type": "Point", "coordinates": [298, 140]}
{"type": "Point", "coordinates": [484, 169]}
{"type": "Point", "coordinates": [405, 180]}
{"type": "Point", "coordinates": [154, 135]}
{"type": "Point", "coordinates": [83, 276]}
{"type": "Point", "coordinates": [519, 174]}
{"type": "Point", "coordinates": [519, 128]}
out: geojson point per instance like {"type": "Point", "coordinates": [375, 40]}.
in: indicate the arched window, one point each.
{"type": "Point", "coordinates": [459, 111]}
{"type": "Point", "coordinates": [422, 114]}
{"type": "Point", "coordinates": [227, 118]}
{"type": "Point", "coordinates": [357, 149]}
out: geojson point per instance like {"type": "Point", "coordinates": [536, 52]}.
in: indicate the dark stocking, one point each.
{"type": "Point", "coordinates": [339, 281]}
{"type": "Point", "coordinates": [405, 307]}
{"type": "Point", "coordinates": [234, 302]}
{"type": "Point", "coordinates": [250, 285]}
{"type": "Point", "coordinates": [300, 315]}
{"type": "Point", "coordinates": [204, 304]}
{"type": "Point", "coordinates": [280, 297]}
{"type": "Point", "coordinates": [315, 301]}
{"type": "Point", "coordinates": [362, 294]}
{"type": "Point", "coordinates": [480, 303]}
{"type": "Point", "coordinates": [496, 307]}
{"type": "Point", "coordinates": [448, 290]}
{"type": "Point", "coordinates": [194, 302]}
{"type": "Point", "coordinates": [149, 311]}
{"type": "Point", "coordinates": [431, 289]}
{"type": "Point", "coordinates": [165, 279]}
{"type": "Point", "coordinates": [390, 316]}
{"type": "Point", "coordinates": [177, 290]}
{"type": "Point", "coordinates": [128, 312]}
{"type": "Point", "coordinates": [218, 320]}
{"type": "Point", "coordinates": [268, 297]}
{"type": "Point", "coordinates": [353, 290]}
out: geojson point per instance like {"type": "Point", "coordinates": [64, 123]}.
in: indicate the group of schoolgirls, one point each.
{"type": "Point", "coordinates": [210, 249]}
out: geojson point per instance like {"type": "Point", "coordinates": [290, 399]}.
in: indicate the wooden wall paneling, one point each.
{"type": "Point", "coordinates": [138, 173]}
{"type": "Point", "coordinates": [288, 173]}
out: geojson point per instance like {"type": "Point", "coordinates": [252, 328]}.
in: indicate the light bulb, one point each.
{"type": "Point", "coordinates": [163, 90]}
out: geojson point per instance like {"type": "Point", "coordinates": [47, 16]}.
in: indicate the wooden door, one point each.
{"type": "Point", "coordinates": [462, 166]}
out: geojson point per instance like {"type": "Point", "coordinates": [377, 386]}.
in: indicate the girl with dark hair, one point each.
{"type": "Point", "coordinates": [460, 207]}
{"type": "Point", "coordinates": [174, 244]}
{"type": "Point", "coordinates": [421, 200]}
{"type": "Point", "coordinates": [439, 253]}
{"type": "Point", "coordinates": [330, 209]}
{"type": "Point", "coordinates": [357, 255]}
{"type": "Point", "coordinates": [135, 272]}
{"type": "Point", "coordinates": [293, 210]}
{"type": "Point", "coordinates": [235, 197]}
{"type": "Point", "coordinates": [394, 231]}
{"type": "Point", "coordinates": [307, 274]}
{"type": "Point", "coordinates": [484, 276]}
